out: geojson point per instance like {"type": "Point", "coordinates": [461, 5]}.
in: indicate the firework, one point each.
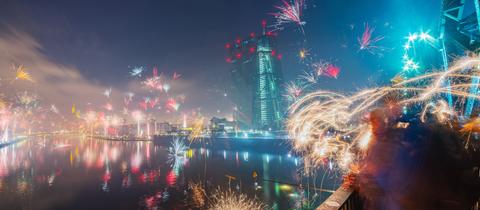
{"type": "Point", "coordinates": [107, 92]}
{"type": "Point", "coordinates": [138, 117]}
{"type": "Point", "coordinates": [128, 98]}
{"type": "Point", "coordinates": [326, 69]}
{"type": "Point", "coordinates": [53, 108]}
{"type": "Point", "coordinates": [235, 201]}
{"type": "Point", "coordinates": [155, 72]}
{"type": "Point", "coordinates": [309, 77]}
{"type": "Point", "coordinates": [3, 103]}
{"type": "Point", "coordinates": [166, 87]}
{"type": "Point", "coordinates": [172, 104]}
{"type": "Point", "coordinates": [329, 125]}
{"type": "Point", "coordinates": [177, 147]}
{"type": "Point", "coordinates": [368, 43]}
{"type": "Point", "coordinates": [108, 106]}
{"type": "Point", "coordinates": [27, 100]}
{"type": "Point", "coordinates": [176, 76]}
{"type": "Point", "coordinates": [197, 195]}
{"type": "Point", "coordinates": [408, 59]}
{"type": "Point", "coordinates": [197, 128]}
{"type": "Point", "coordinates": [177, 154]}
{"type": "Point", "coordinates": [303, 54]}
{"type": "Point", "coordinates": [294, 90]}
{"type": "Point", "coordinates": [137, 71]}
{"type": "Point", "coordinates": [153, 83]}
{"type": "Point", "coordinates": [289, 13]}
{"type": "Point", "coordinates": [22, 74]}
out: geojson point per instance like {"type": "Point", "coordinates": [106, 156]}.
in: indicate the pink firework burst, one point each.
{"type": "Point", "coordinates": [289, 13]}
{"type": "Point", "coordinates": [153, 83]}
{"type": "Point", "coordinates": [332, 71]}
{"type": "Point", "coordinates": [176, 76]}
{"type": "Point", "coordinates": [368, 42]}
{"type": "Point", "coordinates": [172, 104]}
{"type": "Point", "coordinates": [326, 69]}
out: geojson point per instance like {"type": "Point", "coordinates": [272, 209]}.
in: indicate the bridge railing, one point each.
{"type": "Point", "coordinates": [342, 199]}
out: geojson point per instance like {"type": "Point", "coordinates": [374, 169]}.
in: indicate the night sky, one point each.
{"type": "Point", "coordinates": [103, 40]}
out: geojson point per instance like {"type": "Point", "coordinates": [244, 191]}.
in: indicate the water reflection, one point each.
{"type": "Point", "coordinates": [78, 173]}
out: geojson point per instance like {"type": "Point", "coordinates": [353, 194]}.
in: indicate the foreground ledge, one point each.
{"type": "Point", "coordinates": [342, 199]}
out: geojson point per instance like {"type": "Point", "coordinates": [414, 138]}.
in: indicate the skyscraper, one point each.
{"type": "Point", "coordinates": [256, 81]}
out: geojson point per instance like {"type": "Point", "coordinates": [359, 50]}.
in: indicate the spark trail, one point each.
{"type": "Point", "coordinates": [326, 125]}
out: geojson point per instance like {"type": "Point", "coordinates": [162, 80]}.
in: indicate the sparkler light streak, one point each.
{"type": "Point", "coordinates": [235, 201]}
{"type": "Point", "coordinates": [289, 13]}
{"type": "Point", "coordinates": [327, 125]}
{"type": "Point", "coordinates": [368, 43]}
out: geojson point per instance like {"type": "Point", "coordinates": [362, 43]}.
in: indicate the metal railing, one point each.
{"type": "Point", "coordinates": [342, 199]}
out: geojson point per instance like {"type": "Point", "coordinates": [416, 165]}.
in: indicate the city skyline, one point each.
{"type": "Point", "coordinates": [98, 62]}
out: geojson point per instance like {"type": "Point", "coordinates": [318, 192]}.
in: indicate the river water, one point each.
{"type": "Point", "coordinates": [79, 173]}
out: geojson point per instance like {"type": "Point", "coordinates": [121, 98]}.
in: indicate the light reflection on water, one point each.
{"type": "Point", "coordinates": [76, 173]}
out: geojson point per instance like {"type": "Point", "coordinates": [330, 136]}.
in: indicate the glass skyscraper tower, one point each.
{"type": "Point", "coordinates": [256, 81]}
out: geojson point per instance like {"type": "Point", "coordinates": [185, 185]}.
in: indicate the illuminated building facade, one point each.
{"type": "Point", "coordinates": [256, 81]}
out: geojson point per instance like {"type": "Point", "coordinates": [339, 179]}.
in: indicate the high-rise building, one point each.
{"type": "Point", "coordinates": [256, 81]}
